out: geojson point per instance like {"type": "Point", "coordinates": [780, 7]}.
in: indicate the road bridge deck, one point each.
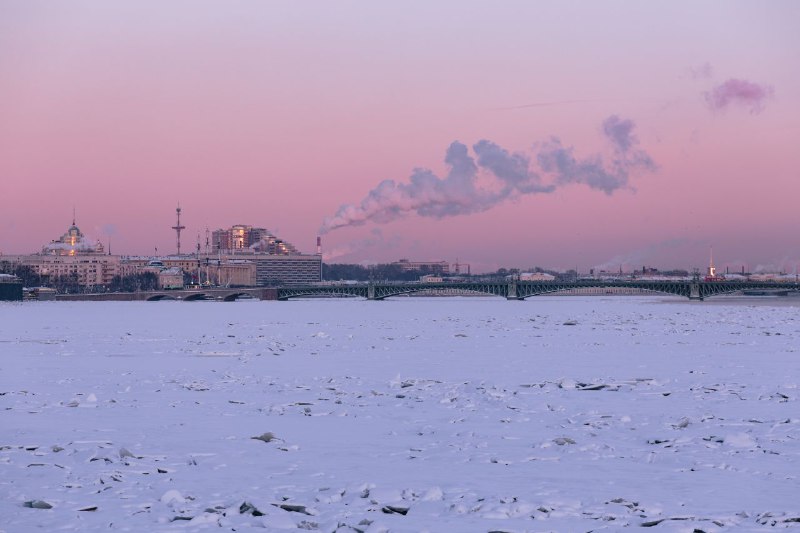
{"type": "Point", "coordinates": [511, 290]}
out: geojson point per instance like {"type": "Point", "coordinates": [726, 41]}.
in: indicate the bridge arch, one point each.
{"type": "Point", "coordinates": [466, 290]}
{"type": "Point", "coordinates": [320, 294]}
{"type": "Point", "coordinates": [525, 293]}
{"type": "Point", "coordinates": [195, 297]}
{"type": "Point", "coordinates": [232, 297]}
{"type": "Point", "coordinates": [160, 297]}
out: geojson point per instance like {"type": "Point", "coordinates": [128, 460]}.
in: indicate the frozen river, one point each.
{"type": "Point", "coordinates": [412, 414]}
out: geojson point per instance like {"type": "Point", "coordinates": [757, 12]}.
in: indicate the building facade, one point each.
{"type": "Point", "coordinates": [298, 269]}
{"type": "Point", "coordinates": [237, 270]}
{"type": "Point", "coordinates": [244, 257]}
{"type": "Point", "coordinates": [72, 257]}
{"type": "Point", "coordinates": [73, 242]}
{"type": "Point", "coordinates": [10, 288]}
{"type": "Point", "coordinates": [247, 239]}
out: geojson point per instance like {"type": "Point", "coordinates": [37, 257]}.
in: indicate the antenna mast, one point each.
{"type": "Point", "coordinates": [177, 227]}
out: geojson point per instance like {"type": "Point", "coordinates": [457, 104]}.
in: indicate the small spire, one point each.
{"type": "Point", "coordinates": [73, 215]}
{"type": "Point", "coordinates": [712, 272]}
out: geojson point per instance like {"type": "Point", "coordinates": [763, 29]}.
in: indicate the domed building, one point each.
{"type": "Point", "coordinates": [71, 259]}
{"type": "Point", "coordinates": [73, 242]}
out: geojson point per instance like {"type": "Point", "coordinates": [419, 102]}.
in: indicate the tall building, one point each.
{"type": "Point", "coordinates": [276, 261]}
{"type": "Point", "coordinates": [247, 239]}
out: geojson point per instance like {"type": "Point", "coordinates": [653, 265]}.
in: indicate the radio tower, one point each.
{"type": "Point", "coordinates": [177, 227]}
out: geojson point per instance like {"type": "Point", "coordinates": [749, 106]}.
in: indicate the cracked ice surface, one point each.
{"type": "Point", "coordinates": [413, 414]}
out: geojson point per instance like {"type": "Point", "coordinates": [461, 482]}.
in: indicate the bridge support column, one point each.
{"type": "Point", "coordinates": [268, 294]}
{"type": "Point", "coordinates": [694, 292]}
{"type": "Point", "coordinates": [371, 292]}
{"type": "Point", "coordinates": [512, 291]}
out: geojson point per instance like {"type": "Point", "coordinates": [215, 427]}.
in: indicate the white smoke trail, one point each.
{"type": "Point", "coordinates": [458, 193]}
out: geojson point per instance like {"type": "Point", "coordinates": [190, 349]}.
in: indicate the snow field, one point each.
{"type": "Point", "coordinates": [440, 414]}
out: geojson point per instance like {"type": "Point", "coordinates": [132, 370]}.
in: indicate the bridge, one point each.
{"type": "Point", "coordinates": [186, 295]}
{"type": "Point", "coordinates": [511, 290]}
{"type": "Point", "coordinates": [520, 290]}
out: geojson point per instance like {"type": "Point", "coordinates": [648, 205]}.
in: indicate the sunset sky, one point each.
{"type": "Point", "coordinates": [577, 134]}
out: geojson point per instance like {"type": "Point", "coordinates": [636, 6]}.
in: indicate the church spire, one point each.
{"type": "Point", "coordinates": [712, 271]}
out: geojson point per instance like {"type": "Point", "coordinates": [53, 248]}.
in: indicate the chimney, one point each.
{"type": "Point", "coordinates": [319, 245]}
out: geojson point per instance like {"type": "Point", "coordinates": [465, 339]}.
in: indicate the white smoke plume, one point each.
{"type": "Point", "coordinates": [376, 242]}
{"type": "Point", "coordinates": [108, 229]}
{"type": "Point", "coordinates": [458, 193]}
{"type": "Point", "coordinates": [81, 245]}
{"type": "Point", "coordinates": [592, 171]}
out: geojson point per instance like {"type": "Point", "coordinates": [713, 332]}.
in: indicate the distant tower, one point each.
{"type": "Point", "coordinates": [319, 245]}
{"type": "Point", "coordinates": [712, 270]}
{"type": "Point", "coordinates": [177, 227]}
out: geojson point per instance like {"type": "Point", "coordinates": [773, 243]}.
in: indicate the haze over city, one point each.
{"type": "Point", "coordinates": [559, 135]}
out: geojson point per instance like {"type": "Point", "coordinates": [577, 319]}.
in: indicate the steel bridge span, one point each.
{"type": "Point", "coordinates": [513, 290]}
{"type": "Point", "coordinates": [520, 290]}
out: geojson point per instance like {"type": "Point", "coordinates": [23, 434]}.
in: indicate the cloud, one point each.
{"type": "Point", "coordinates": [750, 95]}
{"type": "Point", "coordinates": [458, 193]}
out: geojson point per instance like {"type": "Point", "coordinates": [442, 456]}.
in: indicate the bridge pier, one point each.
{"type": "Point", "coordinates": [371, 292]}
{"type": "Point", "coordinates": [694, 292]}
{"type": "Point", "coordinates": [512, 291]}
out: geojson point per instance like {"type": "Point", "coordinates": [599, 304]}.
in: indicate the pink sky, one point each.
{"type": "Point", "coordinates": [275, 114]}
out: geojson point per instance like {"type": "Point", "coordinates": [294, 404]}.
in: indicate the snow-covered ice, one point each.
{"type": "Point", "coordinates": [413, 414]}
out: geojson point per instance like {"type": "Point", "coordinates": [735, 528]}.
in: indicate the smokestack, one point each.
{"type": "Point", "coordinates": [319, 245]}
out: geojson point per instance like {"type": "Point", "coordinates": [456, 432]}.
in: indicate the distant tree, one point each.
{"type": "Point", "coordinates": [26, 273]}
{"type": "Point", "coordinates": [338, 272]}
{"type": "Point", "coordinates": [142, 281]}
{"type": "Point", "coordinates": [66, 284]}
{"type": "Point", "coordinates": [148, 281]}
{"type": "Point", "coordinates": [569, 275]}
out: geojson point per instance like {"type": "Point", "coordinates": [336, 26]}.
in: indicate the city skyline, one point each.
{"type": "Point", "coordinates": [527, 134]}
{"type": "Point", "coordinates": [260, 241]}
